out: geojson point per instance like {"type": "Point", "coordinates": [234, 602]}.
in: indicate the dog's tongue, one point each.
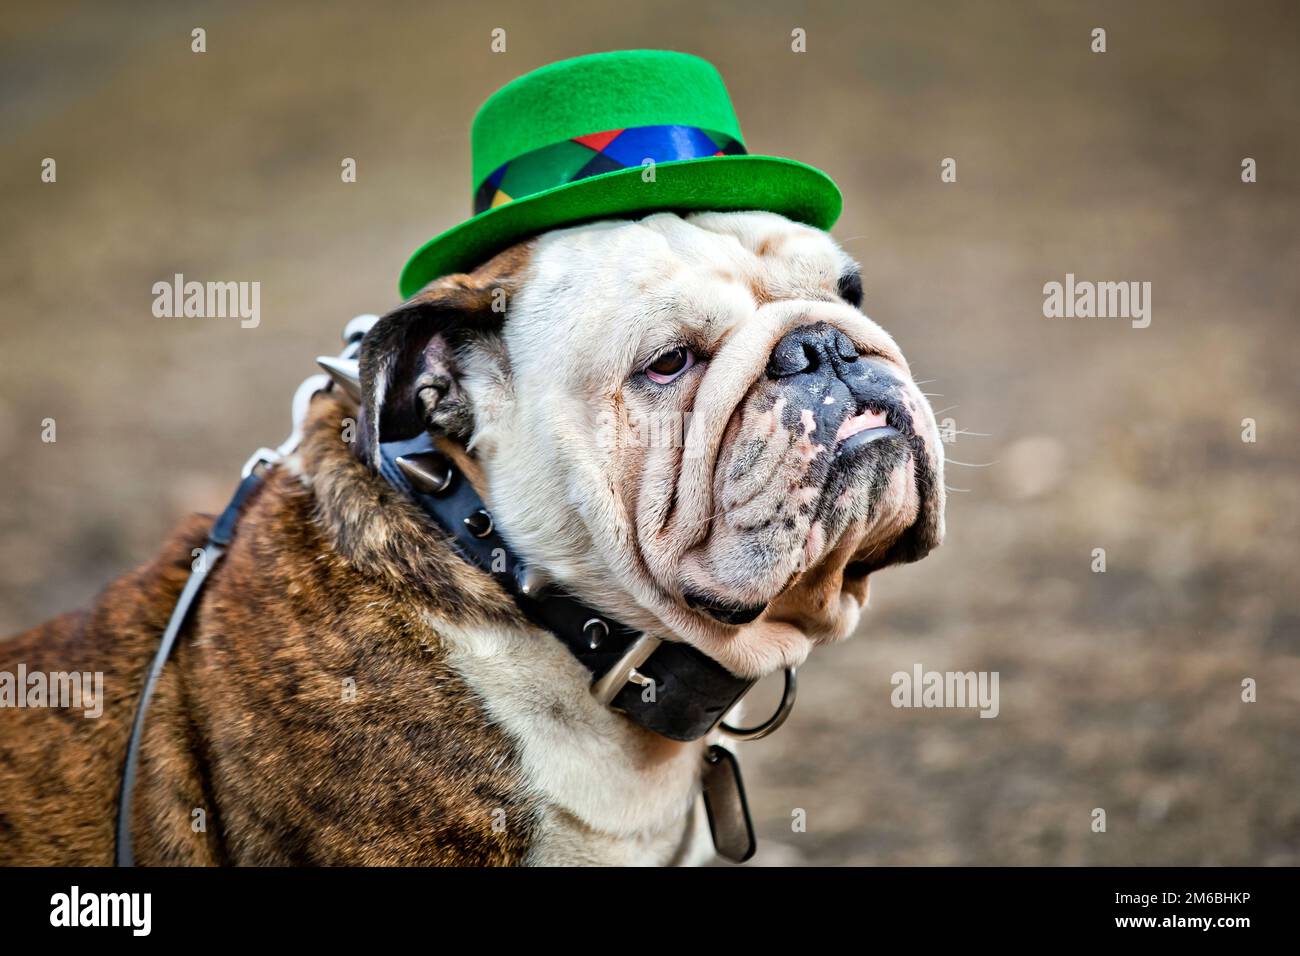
{"type": "Point", "coordinates": [859, 423]}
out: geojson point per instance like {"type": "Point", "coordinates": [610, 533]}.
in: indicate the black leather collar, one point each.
{"type": "Point", "coordinates": [691, 692]}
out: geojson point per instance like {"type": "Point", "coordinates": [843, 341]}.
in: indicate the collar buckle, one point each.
{"type": "Point", "coordinates": [607, 686]}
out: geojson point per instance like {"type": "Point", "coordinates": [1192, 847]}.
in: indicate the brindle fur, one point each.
{"type": "Point", "coordinates": [330, 577]}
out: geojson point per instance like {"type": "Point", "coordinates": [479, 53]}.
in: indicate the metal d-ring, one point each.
{"type": "Point", "coordinates": [773, 722]}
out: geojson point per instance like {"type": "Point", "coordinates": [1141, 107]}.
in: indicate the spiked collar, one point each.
{"type": "Point", "coordinates": [670, 688]}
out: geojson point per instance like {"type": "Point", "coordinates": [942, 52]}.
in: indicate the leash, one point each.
{"type": "Point", "coordinates": [670, 688]}
{"type": "Point", "coordinates": [218, 541]}
{"type": "Point", "coordinates": [219, 538]}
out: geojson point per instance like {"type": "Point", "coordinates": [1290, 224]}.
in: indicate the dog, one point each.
{"type": "Point", "coordinates": [350, 691]}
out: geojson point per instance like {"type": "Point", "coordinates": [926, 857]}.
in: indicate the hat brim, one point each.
{"type": "Point", "coordinates": [715, 183]}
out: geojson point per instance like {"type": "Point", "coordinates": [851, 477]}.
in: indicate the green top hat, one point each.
{"type": "Point", "coordinates": [570, 142]}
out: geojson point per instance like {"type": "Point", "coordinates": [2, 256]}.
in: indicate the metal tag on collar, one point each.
{"type": "Point", "coordinates": [726, 806]}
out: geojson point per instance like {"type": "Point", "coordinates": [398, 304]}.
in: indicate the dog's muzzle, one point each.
{"type": "Point", "coordinates": [852, 397]}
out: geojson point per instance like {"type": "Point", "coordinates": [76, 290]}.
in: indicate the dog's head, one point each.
{"type": "Point", "coordinates": [688, 422]}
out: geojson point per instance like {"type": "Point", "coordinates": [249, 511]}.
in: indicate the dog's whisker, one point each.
{"type": "Point", "coordinates": [968, 464]}
{"type": "Point", "coordinates": [960, 490]}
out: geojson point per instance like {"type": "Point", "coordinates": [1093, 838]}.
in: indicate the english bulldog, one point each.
{"type": "Point", "coordinates": [686, 421]}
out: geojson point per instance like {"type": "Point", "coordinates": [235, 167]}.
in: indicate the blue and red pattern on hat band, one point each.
{"type": "Point", "coordinates": [597, 153]}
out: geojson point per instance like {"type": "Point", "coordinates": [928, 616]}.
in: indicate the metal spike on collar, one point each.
{"type": "Point", "coordinates": [346, 373]}
{"type": "Point", "coordinates": [480, 523]}
{"type": "Point", "coordinates": [595, 631]}
{"type": "Point", "coordinates": [429, 472]}
{"type": "Point", "coordinates": [532, 581]}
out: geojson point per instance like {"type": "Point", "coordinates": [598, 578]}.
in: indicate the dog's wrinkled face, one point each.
{"type": "Point", "coordinates": [688, 421]}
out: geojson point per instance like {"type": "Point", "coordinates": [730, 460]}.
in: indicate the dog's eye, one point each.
{"type": "Point", "coordinates": [670, 364]}
{"type": "Point", "coordinates": [850, 288]}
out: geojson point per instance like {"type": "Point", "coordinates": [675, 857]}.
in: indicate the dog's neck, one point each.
{"type": "Point", "coordinates": [487, 639]}
{"type": "Point", "coordinates": [670, 688]}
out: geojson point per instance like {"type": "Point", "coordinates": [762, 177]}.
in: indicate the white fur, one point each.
{"type": "Point", "coordinates": [598, 302]}
{"type": "Point", "coordinates": [605, 800]}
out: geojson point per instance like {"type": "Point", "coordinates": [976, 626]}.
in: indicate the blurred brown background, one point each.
{"type": "Point", "coordinates": [1118, 690]}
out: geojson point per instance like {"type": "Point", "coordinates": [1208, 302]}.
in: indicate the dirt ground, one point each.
{"type": "Point", "coordinates": [1118, 690]}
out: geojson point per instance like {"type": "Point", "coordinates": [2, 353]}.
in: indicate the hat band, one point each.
{"type": "Point", "coordinates": [597, 153]}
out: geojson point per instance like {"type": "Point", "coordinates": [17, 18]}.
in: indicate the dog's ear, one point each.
{"type": "Point", "coordinates": [411, 359]}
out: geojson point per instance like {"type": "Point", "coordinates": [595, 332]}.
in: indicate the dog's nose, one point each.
{"type": "Point", "coordinates": [811, 348]}
{"type": "Point", "coordinates": [825, 374]}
